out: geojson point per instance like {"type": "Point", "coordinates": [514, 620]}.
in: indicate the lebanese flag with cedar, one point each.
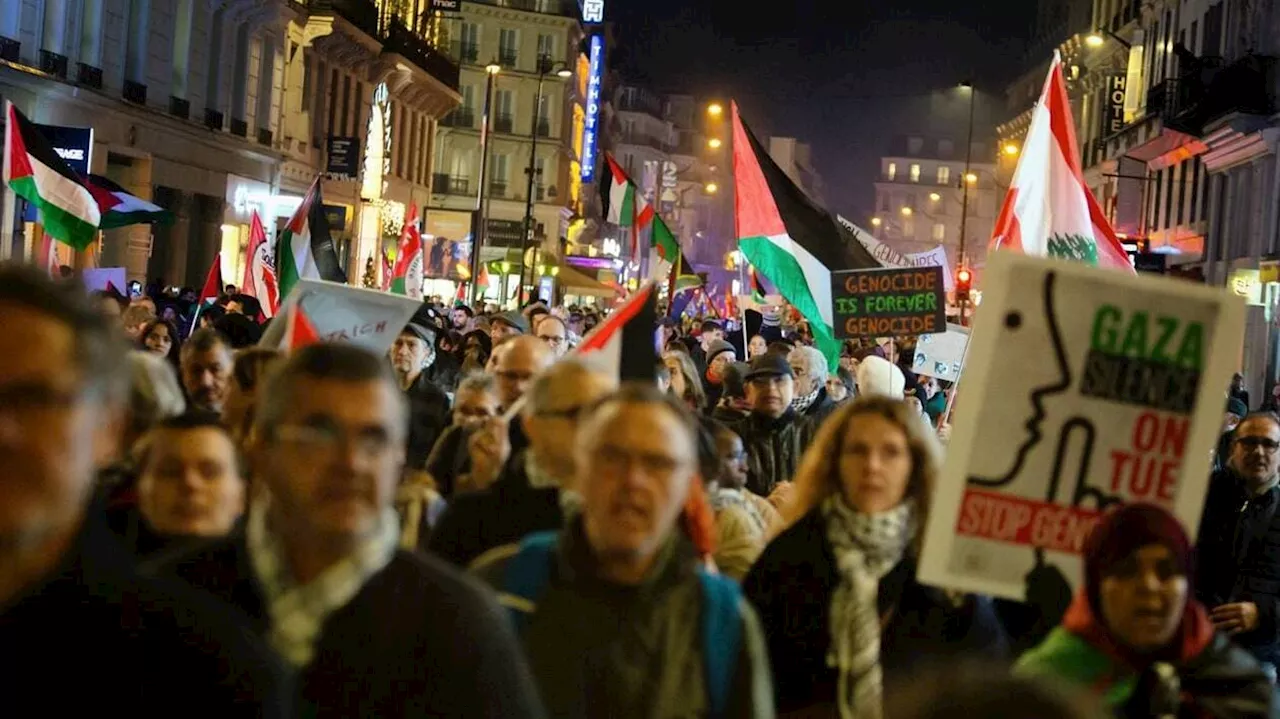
{"type": "Point", "coordinates": [1049, 210]}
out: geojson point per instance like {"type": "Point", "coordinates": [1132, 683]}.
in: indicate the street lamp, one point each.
{"type": "Point", "coordinates": [715, 109]}
{"type": "Point", "coordinates": [934, 197]}
{"type": "Point", "coordinates": [906, 211]}
{"type": "Point", "coordinates": [1010, 149]}
{"type": "Point", "coordinates": [714, 143]}
{"type": "Point", "coordinates": [1094, 40]}
{"type": "Point", "coordinates": [545, 67]}
{"type": "Point", "coordinates": [876, 221]}
{"type": "Point", "coordinates": [969, 179]}
{"type": "Point", "coordinates": [481, 213]}
{"type": "Point", "coordinates": [712, 188]}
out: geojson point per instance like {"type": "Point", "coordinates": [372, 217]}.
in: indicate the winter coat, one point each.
{"type": "Point", "coordinates": [791, 586]}
{"type": "Point", "coordinates": [774, 448]}
{"type": "Point", "coordinates": [428, 416]}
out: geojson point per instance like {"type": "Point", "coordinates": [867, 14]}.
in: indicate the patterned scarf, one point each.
{"type": "Point", "coordinates": [800, 404]}
{"type": "Point", "coordinates": [298, 612]}
{"type": "Point", "coordinates": [867, 547]}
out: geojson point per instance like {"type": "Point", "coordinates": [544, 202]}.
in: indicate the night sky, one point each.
{"type": "Point", "coordinates": [846, 80]}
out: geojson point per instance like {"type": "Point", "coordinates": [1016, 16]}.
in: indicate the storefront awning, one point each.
{"type": "Point", "coordinates": [577, 283]}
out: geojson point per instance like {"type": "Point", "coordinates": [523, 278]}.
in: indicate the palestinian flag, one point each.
{"type": "Point", "coordinates": [36, 173]}
{"type": "Point", "coordinates": [406, 277]}
{"type": "Point", "coordinates": [626, 343]}
{"type": "Point", "coordinates": [306, 250]}
{"type": "Point", "coordinates": [790, 240]}
{"type": "Point", "coordinates": [665, 249]}
{"type": "Point", "coordinates": [119, 208]}
{"type": "Point", "coordinates": [682, 287]}
{"type": "Point", "coordinates": [260, 270]}
{"type": "Point", "coordinates": [1049, 210]}
{"type": "Point", "coordinates": [211, 290]}
{"type": "Point", "coordinates": [757, 287]}
{"type": "Point", "coordinates": [299, 330]}
{"type": "Point", "coordinates": [624, 205]}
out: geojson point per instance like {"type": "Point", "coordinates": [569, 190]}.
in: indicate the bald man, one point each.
{"type": "Point", "coordinates": [515, 363]}
{"type": "Point", "coordinates": [532, 491]}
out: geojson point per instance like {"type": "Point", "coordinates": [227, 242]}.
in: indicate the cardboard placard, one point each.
{"type": "Point", "coordinates": [341, 313]}
{"type": "Point", "coordinates": [942, 355]}
{"type": "Point", "coordinates": [1084, 388]}
{"type": "Point", "coordinates": [888, 302]}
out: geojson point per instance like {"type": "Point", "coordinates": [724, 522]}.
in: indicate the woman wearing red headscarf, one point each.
{"type": "Point", "coordinates": [1135, 637]}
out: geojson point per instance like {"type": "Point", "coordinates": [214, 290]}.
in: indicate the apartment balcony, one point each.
{"type": "Point", "coordinates": [461, 117]}
{"type": "Point", "coordinates": [641, 138]}
{"type": "Point", "coordinates": [504, 123]}
{"type": "Point", "coordinates": [467, 53]}
{"type": "Point", "coordinates": [567, 8]}
{"type": "Point", "coordinates": [444, 184]}
{"type": "Point", "coordinates": [88, 75]}
{"type": "Point", "coordinates": [508, 58]}
{"type": "Point", "coordinates": [402, 41]}
{"type": "Point", "coordinates": [1214, 90]}
{"type": "Point", "coordinates": [53, 63]}
{"type": "Point", "coordinates": [638, 102]}
{"type": "Point", "coordinates": [363, 14]}
{"type": "Point", "coordinates": [544, 127]}
{"type": "Point", "coordinates": [498, 189]}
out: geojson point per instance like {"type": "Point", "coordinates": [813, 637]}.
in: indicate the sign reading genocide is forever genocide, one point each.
{"type": "Point", "coordinates": [1082, 389]}
{"type": "Point", "coordinates": [890, 302]}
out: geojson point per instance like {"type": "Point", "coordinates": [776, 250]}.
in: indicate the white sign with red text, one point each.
{"type": "Point", "coordinates": [1082, 389]}
{"type": "Point", "coordinates": [341, 313]}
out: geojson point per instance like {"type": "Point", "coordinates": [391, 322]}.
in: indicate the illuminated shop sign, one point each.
{"type": "Point", "coordinates": [592, 11]}
{"type": "Point", "coordinates": [589, 135]}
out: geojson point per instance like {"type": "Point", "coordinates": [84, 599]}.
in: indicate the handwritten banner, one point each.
{"type": "Point", "coordinates": [891, 302]}
{"type": "Point", "coordinates": [341, 313]}
{"type": "Point", "coordinates": [1083, 389]}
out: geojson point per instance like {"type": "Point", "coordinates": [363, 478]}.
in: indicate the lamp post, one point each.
{"type": "Point", "coordinates": [482, 211]}
{"type": "Point", "coordinates": [964, 196]}
{"type": "Point", "coordinates": [544, 68]}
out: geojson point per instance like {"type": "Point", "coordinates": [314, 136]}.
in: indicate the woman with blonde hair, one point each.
{"type": "Point", "coordinates": [836, 591]}
{"type": "Point", "coordinates": [685, 382]}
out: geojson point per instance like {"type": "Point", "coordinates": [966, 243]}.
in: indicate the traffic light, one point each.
{"type": "Point", "coordinates": [964, 283]}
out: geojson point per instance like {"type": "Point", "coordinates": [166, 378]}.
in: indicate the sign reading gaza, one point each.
{"type": "Point", "coordinates": [889, 302]}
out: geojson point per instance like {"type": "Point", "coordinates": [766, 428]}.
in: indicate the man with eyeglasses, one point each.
{"type": "Point", "coordinates": [615, 615]}
{"type": "Point", "coordinates": [774, 434]}
{"type": "Point", "coordinates": [1238, 546]}
{"type": "Point", "coordinates": [533, 491]}
{"type": "Point", "coordinates": [82, 631]}
{"type": "Point", "coordinates": [371, 630]}
{"type": "Point", "coordinates": [553, 330]}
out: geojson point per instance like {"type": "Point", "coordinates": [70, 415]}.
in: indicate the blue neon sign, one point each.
{"type": "Point", "coordinates": [590, 136]}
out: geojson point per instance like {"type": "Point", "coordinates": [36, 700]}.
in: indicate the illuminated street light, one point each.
{"type": "Point", "coordinates": [714, 143]}
{"type": "Point", "coordinates": [564, 73]}
{"type": "Point", "coordinates": [1093, 39]}
{"type": "Point", "coordinates": [1010, 149]}
{"type": "Point", "coordinates": [875, 221]}
{"type": "Point", "coordinates": [970, 178]}
{"type": "Point", "coordinates": [493, 68]}
{"type": "Point", "coordinates": [712, 188]}
{"type": "Point", "coordinates": [715, 109]}
{"type": "Point", "coordinates": [906, 211]}
{"type": "Point", "coordinates": [934, 196]}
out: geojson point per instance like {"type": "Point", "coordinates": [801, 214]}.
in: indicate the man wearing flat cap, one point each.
{"type": "Point", "coordinates": [420, 369]}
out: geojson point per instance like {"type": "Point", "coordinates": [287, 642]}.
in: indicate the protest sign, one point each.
{"type": "Point", "coordinates": [941, 355]}
{"type": "Point", "coordinates": [105, 278]}
{"type": "Point", "coordinates": [1083, 389]}
{"type": "Point", "coordinates": [889, 257]}
{"type": "Point", "coordinates": [890, 302]}
{"type": "Point", "coordinates": [340, 313]}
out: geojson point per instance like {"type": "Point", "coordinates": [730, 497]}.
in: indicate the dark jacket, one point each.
{"type": "Point", "coordinates": [774, 447]}
{"type": "Point", "coordinates": [417, 640]}
{"type": "Point", "coordinates": [97, 638]}
{"type": "Point", "coordinates": [821, 408]}
{"type": "Point", "coordinates": [136, 534]}
{"type": "Point", "coordinates": [791, 587]}
{"type": "Point", "coordinates": [428, 416]}
{"type": "Point", "coordinates": [506, 512]}
{"type": "Point", "coordinates": [444, 372]}
{"type": "Point", "coordinates": [1238, 546]}
{"type": "Point", "coordinates": [449, 459]}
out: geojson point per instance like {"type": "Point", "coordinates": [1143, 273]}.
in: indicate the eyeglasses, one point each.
{"type": "Point", "coordinates": [1251, 443]}
{"type": "Point", "coordinates": [325, 437]}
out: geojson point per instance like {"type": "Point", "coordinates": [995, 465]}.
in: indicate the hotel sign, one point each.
{"type": "Point", "coordinates": [590, 135]}
{"type": "Point", "coordinates": [1113, 107]}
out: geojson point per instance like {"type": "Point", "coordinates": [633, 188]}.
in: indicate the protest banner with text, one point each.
{"type": "Point", "coordinates": [1083, 389]}
{"type": "Point", "coordinates": [890, 302]}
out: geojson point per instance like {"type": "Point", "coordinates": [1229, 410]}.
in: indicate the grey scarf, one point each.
{"type": "Point", "coordinates": [800, 404]}
{"type": "Point", "coordinates": [867, 547]}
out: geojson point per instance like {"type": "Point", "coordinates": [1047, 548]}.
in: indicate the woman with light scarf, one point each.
{"type": "Point", "coordinates": [836, 591]}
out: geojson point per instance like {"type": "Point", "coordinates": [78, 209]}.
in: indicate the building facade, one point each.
{"type": "Point", "coordinates": [795, 158]}
{"type": "Point", "coordinates": [215, 111]}
{"type": "Point", "coordinates": [924, 199]}
{"type": "Point", "coordinates": [534, 123]}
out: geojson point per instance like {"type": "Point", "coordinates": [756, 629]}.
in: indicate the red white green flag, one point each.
{"type": "Point", "coordinates": [306, 250]}
{"type": "Point", "coordinates": [406, 277]}
{"type": "Point", "coordinates": [34, 171]}
{"type": "Point", "coordinates": [260, 269]}
{"type": "Point", "coordinates": [624, 204]}
{"type": "Point", "coordinates": [1049, 210]}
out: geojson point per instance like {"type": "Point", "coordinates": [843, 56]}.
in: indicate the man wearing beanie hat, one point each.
{"type": "Point", "coordinates": [413, 355]}
{"type": "Point", "coordinates": [1137, 639]}
{"type": "Point", "coordinates": [720, 354]}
